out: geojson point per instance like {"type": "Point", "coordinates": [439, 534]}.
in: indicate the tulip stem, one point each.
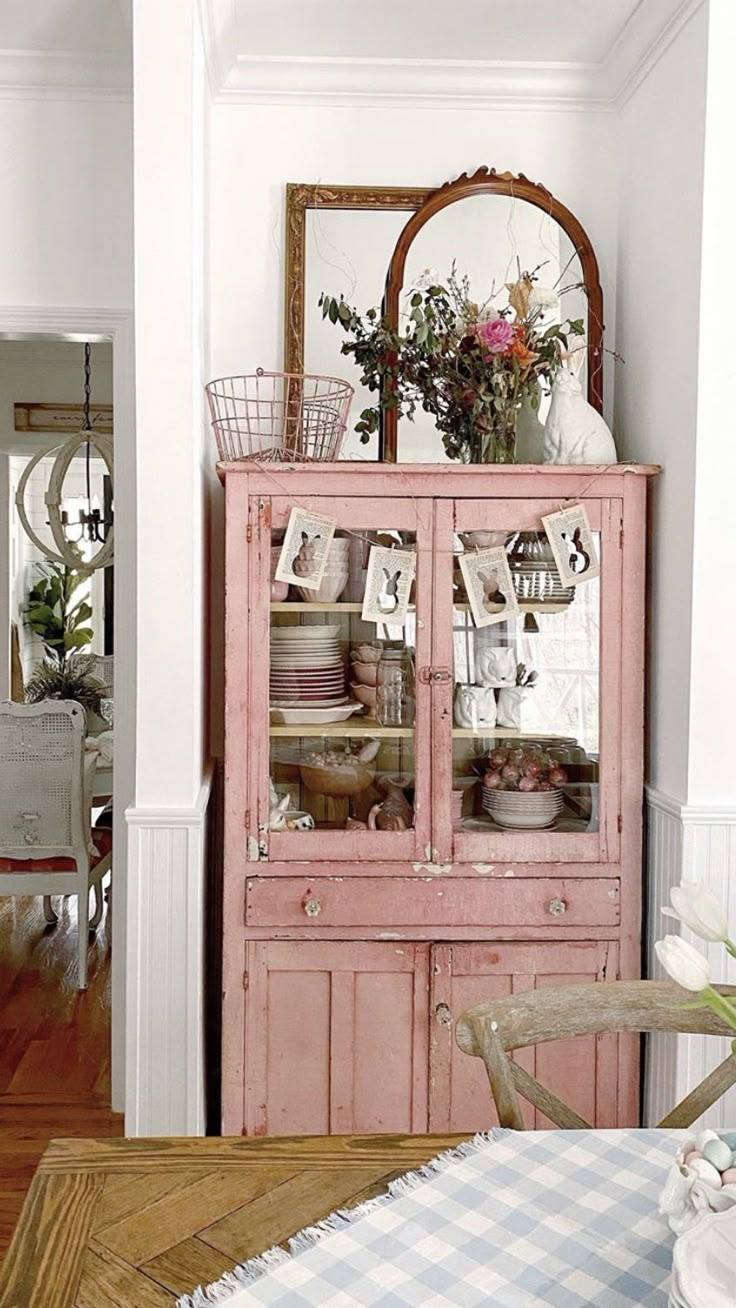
{"type": "Point", "coordinates": [720, 1005]}
{"type": "Point", "coordinates": [731, 947]}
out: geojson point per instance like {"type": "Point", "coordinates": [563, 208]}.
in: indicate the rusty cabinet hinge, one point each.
{"type": "Point", "coordinates": [264, 513]}
{"type": "Point", "coordinates": [249, 534]}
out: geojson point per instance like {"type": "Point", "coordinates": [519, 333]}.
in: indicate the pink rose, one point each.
{"type": "Point", "coordinates": [496, 335]}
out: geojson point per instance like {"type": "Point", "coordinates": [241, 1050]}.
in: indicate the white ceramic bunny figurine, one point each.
{"type": "Point", "coordinates": [574, 431]}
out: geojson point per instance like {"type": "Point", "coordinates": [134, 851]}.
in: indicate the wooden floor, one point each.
{"type": "Point", "coordinates": [54, 1043]}
{"type": "Point", "coordinates": [135, 1223]}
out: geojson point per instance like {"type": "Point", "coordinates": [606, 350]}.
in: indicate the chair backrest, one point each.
{"type": "Point", "coordinates": [493, 1029]}
{"type": "Point", "coordinates": [102, 666]}
{"type": "Point", "coordinates": [41, 779]}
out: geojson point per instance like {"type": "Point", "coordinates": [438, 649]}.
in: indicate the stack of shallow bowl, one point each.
{"type": "Point", "coordinates": [307, 667]}
{"type": "Point", "coordinates": [335, 576]}
{"type": "Point", "coordinates": [524, 810]}
{"type": "Point", "coordinates": [364, 670]}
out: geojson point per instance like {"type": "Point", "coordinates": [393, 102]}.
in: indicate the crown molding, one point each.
{"type": "Point", "coordinates": [64, 75]}
{"type": "Point", "coordinates": [236, 78]}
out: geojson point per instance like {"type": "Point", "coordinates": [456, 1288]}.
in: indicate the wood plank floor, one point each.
{"type": "Point", "coordinates": [54, 1043]}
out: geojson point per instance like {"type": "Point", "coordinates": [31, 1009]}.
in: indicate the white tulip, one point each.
{"type": "Point", "coordinates": [683, 962]}
{"type": "Point", "coordinates": [697, 908]}
{"type": "Point", "coordinates": [543, 298]}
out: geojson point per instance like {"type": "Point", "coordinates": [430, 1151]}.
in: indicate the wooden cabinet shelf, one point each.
{"type": "Point", "coordinates": [354, 727]}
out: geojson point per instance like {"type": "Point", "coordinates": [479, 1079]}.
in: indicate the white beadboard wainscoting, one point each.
{"type": "Point", "coordinates": [165, 1044]}
{"type": "Point", "coordinates": [696, 843]}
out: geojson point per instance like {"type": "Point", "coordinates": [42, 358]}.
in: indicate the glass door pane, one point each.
{"type": "Point", "coordinates": [346, 775]}
{"type": "Point", "coordinates": [527, 714]}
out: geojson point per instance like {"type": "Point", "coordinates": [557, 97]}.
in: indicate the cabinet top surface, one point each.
{"type": "Point", "coordinates": [447, 478]}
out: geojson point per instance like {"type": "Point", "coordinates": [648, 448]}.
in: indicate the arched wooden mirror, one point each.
{"type": "Point", "coordinates": [493, 226]}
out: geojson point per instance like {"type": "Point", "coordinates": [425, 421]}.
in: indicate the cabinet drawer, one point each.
{"type": "Point", "coordinates": [381, 902]}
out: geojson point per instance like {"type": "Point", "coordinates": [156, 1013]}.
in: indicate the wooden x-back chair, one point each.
{"type": "Point", "coordinates": [493, 1029]}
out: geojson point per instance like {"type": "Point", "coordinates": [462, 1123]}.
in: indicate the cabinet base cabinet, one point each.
{"type": "Point", "coordinates": [352, 1037]}
{"type": "Point", "coordinates": [336, 1037]}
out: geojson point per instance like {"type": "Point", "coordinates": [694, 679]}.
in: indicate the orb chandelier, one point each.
{"type": "Point", "coordinates": [90, 525]}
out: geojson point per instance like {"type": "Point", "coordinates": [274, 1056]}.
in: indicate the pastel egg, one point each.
{"type": "Point", "coordinates": [729, 1176]}
{"type": "Point", "coordinates": [706, 1172]}
{"type": "Point", "coordinates": [704, 1136]}
{"type": "Point", "coordinates": [729, 1138]}
{"type": "Point", "coordinates": [690, 1158]}
{"type": "Point", "coordinates": [718, 1153]}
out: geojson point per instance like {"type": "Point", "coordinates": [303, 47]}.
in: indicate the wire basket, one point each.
{"type": "Point", "coordinates": [535, 574]}
{"type": "Point", "coordinates": [280, 417]}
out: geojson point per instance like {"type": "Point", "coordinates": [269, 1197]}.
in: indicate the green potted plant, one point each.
{"type": "Point", "coordinates": [60, 616]}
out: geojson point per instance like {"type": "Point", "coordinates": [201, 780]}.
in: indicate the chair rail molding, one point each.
{"type": "Point", "coordinates": [165, 1037]}
{"type": "Point", "coordinates": [691, 842]}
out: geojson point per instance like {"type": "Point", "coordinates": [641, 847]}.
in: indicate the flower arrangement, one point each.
{"type": "Point", "coordinates": [697, 908]}
{"type": "Point", "coordinates": [470, 366]}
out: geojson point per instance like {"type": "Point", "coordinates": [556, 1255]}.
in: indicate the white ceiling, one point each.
{"type": "Point", "coordinates": [529, 32]}
{"type": "Point", "coordinates": [448, 53]}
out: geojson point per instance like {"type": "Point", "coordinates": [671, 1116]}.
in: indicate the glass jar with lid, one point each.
{"type": "Point", "coordinates": [395, 688]}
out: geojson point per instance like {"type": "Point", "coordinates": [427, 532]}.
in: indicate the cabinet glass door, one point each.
{"type": "Point", "coordinates": [341, 767]}
{"type": "Point", "coordinates": [528, 713]}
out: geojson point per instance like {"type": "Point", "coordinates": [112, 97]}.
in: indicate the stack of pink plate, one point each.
{"type": "Point", "coordinates": [307, 667]}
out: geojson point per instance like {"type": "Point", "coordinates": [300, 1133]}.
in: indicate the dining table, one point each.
{"type": "Point", "coordinates": [141, 1222]}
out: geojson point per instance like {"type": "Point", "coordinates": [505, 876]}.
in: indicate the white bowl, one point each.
{"type": "Point", "coordinates": [512, 809]}
{"type": "Point", "coordinates": [313, 716]}
{"type": "Point", "coordinates": [366, 653]}
{"type": "Point", "coordinates": [329, 589]}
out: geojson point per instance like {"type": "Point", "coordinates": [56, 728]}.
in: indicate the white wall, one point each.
{"type": "Point", "coordinates": [66, 218]}
{"type": "Point", "coordinates": [660, 168]}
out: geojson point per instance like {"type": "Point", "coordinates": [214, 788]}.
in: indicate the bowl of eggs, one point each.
{"type": "Point", "coordinates": [702, 1180]}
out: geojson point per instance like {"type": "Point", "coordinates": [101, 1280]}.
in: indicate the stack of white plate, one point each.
{"type": "Point", "coordinates": [528, 810]}
{"type": "Point", "coordinates": [307, 667]}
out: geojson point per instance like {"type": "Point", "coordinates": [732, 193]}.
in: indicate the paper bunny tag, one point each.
{"type": "Point", "coordinates": [489, 586]}
{"type": "Point", "coordinates": [388, 585]}
{"type": "Point", "coordinates": [305, 549]}
{"type": "Point", "coordinates": [572, 544]}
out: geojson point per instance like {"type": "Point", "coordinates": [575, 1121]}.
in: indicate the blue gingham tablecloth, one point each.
{"type": "Point", "coordinates": [565, 1219]}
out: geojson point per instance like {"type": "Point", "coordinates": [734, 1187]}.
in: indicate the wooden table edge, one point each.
{"type": "Point", "coordinates": [233, 1151]}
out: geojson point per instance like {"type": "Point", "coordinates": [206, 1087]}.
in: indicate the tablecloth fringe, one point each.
{"type": "Point", "coordinates": [252, 1270]}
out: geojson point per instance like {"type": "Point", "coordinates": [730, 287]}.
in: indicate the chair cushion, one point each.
{"type": "Point", "coordinates": [102, 837]}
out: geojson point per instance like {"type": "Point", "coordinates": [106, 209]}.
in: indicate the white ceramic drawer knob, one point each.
{"type": "Point", "coordinates": [312, 907]}
{"type": "Point", "coordinates": [557, 907]}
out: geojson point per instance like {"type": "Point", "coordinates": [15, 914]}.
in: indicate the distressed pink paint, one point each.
{"type": "Point", "coordinates": [339, 1021]}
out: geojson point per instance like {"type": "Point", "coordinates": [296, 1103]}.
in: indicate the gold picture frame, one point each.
{"type": "Point", "coordinates": [300, 197]}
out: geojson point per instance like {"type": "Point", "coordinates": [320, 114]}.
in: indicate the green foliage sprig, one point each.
{"type": "Point", "coordinates": [57, 614]}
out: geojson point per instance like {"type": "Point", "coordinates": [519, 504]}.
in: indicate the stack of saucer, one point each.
{"type": "Point", "coordinates": [307, 667]}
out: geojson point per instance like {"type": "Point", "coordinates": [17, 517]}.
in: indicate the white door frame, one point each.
{"type": "Point", "coordinates": [115, 325]}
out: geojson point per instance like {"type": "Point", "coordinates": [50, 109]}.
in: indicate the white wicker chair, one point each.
{"type": "Point", "coordinates": [45, 842]}
{"type": "Point", "coordinates": [102, 666]}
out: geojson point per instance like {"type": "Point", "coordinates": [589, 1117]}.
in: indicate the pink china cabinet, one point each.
{"type": "Point", "coordinates": [375, 885]}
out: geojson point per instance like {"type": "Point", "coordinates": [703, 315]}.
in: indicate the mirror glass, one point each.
{"type": "Point", "coordinates": [491, 240]}
{"type": "Point", "coordinates": [488, 238]}
{"type": "Point", "coordinates": [346, 252]}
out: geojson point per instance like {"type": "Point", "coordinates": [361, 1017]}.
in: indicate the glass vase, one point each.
{"type": "Point", "coordinates": [497, 444]}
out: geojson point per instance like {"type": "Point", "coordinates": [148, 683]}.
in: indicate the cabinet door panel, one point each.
{"type": "Point", "coordinates": [582, 1072]}
{"type": "Point", "coordinates": [336, 1038]}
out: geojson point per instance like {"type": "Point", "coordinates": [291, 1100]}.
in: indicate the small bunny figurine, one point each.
{"type": "Point", "coordinates": [574, 431]}
{"type": "Point", "coordinates": [277, 814]}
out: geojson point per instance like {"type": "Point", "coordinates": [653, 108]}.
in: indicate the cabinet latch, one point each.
{"type": "Point", "coordinates": [434, 675]}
